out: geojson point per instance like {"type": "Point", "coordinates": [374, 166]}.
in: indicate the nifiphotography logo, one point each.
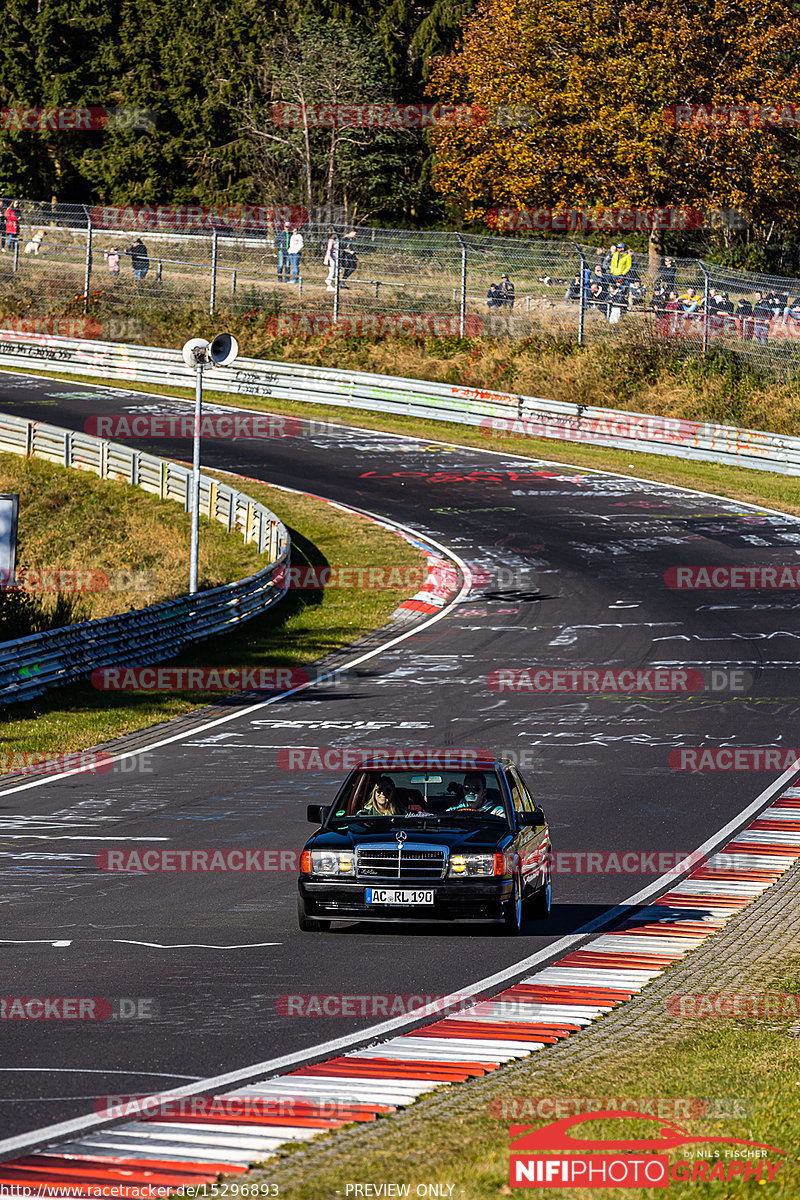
{"type": "Point", "coordinates": [631, 1162]}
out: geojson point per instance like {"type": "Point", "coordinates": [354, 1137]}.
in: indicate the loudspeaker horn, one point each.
{"type": "Point", "coordinates": [223, 350]}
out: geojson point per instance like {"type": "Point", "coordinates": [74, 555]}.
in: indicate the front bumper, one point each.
{"type": "Point", "coordinates": [455, 900]}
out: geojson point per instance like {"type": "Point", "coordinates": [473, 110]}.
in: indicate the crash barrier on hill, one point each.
{"type": "Point", "coordinates": [31, 665]}
{"type": "Point", "coordinates": [497, 414]}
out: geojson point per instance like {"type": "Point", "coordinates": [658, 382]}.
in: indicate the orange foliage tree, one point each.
{"type": "Point", "coordinates": [601, 77]}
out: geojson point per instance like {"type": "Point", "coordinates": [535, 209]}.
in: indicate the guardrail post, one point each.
{"type": "Point", "coordinates": [87, 274]}
{"type": "Point", "coordinates": [706, 284]}
{"type": "Point", "coordinates": [214, 252]}
{"type": "Point", "coordinates": [462, 309]}
{"type": "Point", "coordinates": [67, 448]}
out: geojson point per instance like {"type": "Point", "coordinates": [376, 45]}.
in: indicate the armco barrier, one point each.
{"type": "Point", "coordinates": [755, 449]}
{"type": "Point", "coordinates": [31, 665]}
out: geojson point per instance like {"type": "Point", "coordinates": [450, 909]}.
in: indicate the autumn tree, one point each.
{"type": "Point", "coordinates": [600, 77]}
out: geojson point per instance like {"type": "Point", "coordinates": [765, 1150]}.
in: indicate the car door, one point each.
{"type": "Point", "coordinates": [534, 840]}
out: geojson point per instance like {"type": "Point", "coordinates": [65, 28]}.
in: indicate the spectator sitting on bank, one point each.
{"type": "Point", "coordinates": [660, 296]}
{"type": "Point", "coordinates": [724, 304]}
{"type": "Point", "coordinates": [617, 298]}
{"type": "Point", "coordinates": [597, 295]}
{"type": "Point", "coordinates": [691, 302]}
{"type": "Point", "coordinates": [506, 292]}
{"type": "Point", "coordinates": [573, 292]}
{"type": "Point", "coordinates": [638, 295]}
{"type": "Point", "coordinates": [762, 317]}
{"type": "Point", "coordinates": [493, 296]}
{"type": "Point", "coordinates": [792, 310]}
{"type": "Point", "coordinates": [779, 302]}
{"type": "Point", "coordinates": [599, 276]}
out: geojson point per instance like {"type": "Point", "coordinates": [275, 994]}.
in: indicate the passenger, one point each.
{"type": "Point", "coordinates": [384, 801]}
{"type": "Point", "coordinates": [475, 798]}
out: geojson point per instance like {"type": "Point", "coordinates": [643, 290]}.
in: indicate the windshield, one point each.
{"type": "Point", "coordinates": [408, 797]}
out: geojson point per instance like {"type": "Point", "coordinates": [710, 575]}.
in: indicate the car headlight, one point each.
{"type": "Point", "coordinates": [463, 865]}
{"type": "Point", "coordinates": [333, 862]}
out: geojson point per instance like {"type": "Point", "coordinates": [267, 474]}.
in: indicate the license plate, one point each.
{"type": "Point", "coordinates": [399, 896]}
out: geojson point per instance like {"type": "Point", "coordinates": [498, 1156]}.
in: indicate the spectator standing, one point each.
{"type": "Point", "coordinates": [506, 292]}
{"type": "Point", "coordinates": [620, 265]}
{"type": "Point", "coordinates": [112, 259]}
{"type": "Point", "coordinates": [349, 257]}
{"type": "Point", "coordinates": [2, 225]}
{"type": "Point", "coordinates": [331, 259]}
{"type": "Point", "coordinates": [12, 224]}
{"type": "Point", "coordinates": [139, 260]}
{"type": "Point", "coordinates": [282, 248]}
{"type": "Point", "coordinates": [296, 245]}
{"type": "Point", "coordinates": [667, 276]}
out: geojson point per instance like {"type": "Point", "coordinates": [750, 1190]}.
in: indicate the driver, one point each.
{"type": "Point", "coordinates": [384, 801]}
{"type": "Point", "coordinates": [475, 798]}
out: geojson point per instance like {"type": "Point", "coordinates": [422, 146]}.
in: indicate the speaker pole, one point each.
{"type": "Point", "coordinates": [195, 535]}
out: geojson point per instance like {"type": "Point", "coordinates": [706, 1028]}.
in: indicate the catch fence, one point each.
{"type": "Point", "coordinates": [381, 282]}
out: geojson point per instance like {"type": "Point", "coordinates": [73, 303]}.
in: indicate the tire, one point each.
{"type": "Point", "coordinates": [512, 920]}
{"type": "Point", "coordinates": [541, 901]}
{"type": "Point", "coordinates": [309, 924]}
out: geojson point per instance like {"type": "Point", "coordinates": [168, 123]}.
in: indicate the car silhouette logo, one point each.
{"type": "Point", "coordinates": [401, 835]}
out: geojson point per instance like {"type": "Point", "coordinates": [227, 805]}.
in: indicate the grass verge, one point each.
{"type": "Point", "coordinates": [303, 627]}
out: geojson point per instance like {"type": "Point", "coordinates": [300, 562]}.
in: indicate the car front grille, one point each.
{"type": "Point", "coordinates": [402, 861]}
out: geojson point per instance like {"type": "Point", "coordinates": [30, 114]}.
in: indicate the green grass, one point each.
{"type": "Point", "coordinates": [305, 626]}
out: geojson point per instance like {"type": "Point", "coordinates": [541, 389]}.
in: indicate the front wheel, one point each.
{"type": "Point", "coordinates": [512, 920]}
{"type": "Point", "coordinates": [541, 901]}
{"type": "Point", "coordinates": [309, 924]}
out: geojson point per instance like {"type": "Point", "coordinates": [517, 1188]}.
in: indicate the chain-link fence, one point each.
{"type": "Point", "coordinates": [80, 271]}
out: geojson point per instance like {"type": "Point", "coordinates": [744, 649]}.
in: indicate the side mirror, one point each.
{"type": "Point", "coordinates": [316, 813]}
{"type": "Point", "coordinates": [534, 819]}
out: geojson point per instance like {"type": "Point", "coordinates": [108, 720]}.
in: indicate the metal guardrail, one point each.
{"type": "Point", "coordinates": [31, 665]}
{"type": "Point", "coordinates": [496, 412]}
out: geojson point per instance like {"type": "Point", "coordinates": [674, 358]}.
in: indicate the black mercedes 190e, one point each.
{"type": "Point", "coordinates": [436, 845]}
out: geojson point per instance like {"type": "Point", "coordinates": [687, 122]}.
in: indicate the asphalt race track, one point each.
{"type": "Point", "coordinates": [576, 563]}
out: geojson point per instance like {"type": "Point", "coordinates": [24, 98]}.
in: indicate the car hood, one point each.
{"type": "Point", "coordinates": [460, 838]}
